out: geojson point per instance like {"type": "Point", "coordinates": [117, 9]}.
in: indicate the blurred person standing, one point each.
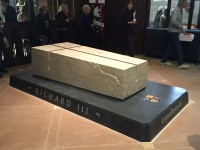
{"type": "Point", "coordinates": [3, 45]}
{"type": "Point", "coordinates": [175, 28]}
{"type": "Point", "coordinates": [23, 16]}
{"type": "Point", "coordinates": [85, 26]}
{"type": "Point", "coordinates": [9, 12]}
{"type": "Point", "coordinates": [62, 23]}
{"type": "Point", "coordinates": [15, 38]}
{"type": "Point", "coordinates": [43, 25]}
{"type": "Point", "coordinates": [126, 26]}
{"type": "Point", "coordinates": [159, 13]}
{"type": "Point", "coordinates": [198, 23]}
{"type": "Point", "coordinates": [162, 21]}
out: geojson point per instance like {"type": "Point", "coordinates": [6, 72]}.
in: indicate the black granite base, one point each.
{"type": "Point", "coordinates": [141, 116]}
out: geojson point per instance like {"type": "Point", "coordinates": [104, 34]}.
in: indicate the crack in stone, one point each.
{"type": "Point", "coordinates": [107, 74]}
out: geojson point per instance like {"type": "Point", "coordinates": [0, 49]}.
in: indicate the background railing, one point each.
{"type": "Point", "coordinates": [19, 38]}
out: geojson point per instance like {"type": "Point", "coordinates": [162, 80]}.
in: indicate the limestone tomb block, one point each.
{"type": "Point", "coordinates": [41, 56]}
{"type": "Point", "coordinates": [140, 63]}
{"type": "Point", "coordinates": [66, 45]}
{"type": "Point", "coordinates": [99, 74]}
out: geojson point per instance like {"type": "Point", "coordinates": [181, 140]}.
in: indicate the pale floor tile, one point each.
{"type": "Point", "coordinates": [86, 133]}
{"type": "Point", "coordinates": [54, 127]}
{"type": "Point", "coordinates": [191, 101]}
{"type": "Point", "coordinates": [106, 147]}
{"type": "Point", "coordinates": [148, 146]}
{"type": "Point", "coordinates": [25, 128]}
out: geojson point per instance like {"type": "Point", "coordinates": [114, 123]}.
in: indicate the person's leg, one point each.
{"type": "Point", "coordinates": [1, 61]}
{"type": "Point", "coordinates": [177, 47]}
{"type": "Point", "coordinates": [17, 40]}
{"type": "Point", "coordinates": [1, 64]}
{"type": "Point", "coordinates": [60, 36]}
{"type": "Point", "coordinates": [130, 45]}
{"type": "Point", "coordinates": [123, 43]}
{"type": "Point", "coordinates": [166, 50]}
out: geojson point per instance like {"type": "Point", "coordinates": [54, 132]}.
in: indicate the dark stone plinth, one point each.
{"type": "Point", "coordinates": [136, 117]}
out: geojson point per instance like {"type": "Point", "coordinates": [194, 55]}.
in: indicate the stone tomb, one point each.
{"type": "Point", "coordinates": [66, 45]}
{"type": "Point", "coordinates": [110, 75]}
{"type": "Point", "coordinates": [140, 63]}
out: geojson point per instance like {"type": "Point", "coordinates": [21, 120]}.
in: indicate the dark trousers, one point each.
{"type": "Point", "coordinates": [86, 39]}
{"type": "Point", "coordinates": [63, 36]}
{"type": "Point", "coordinates": [16, 38]}
{"type": "Point", "coordinates": [127, 44]}
{"type": "Point", "coordinates": [1, 61]}
{"type": "Point", "coordinates": [174, 42]}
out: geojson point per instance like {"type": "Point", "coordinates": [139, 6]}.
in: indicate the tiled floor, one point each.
{"type": "Point", "coordinates": [28, 123]}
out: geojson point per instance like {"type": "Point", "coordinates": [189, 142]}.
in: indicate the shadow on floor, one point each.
{"type": "Point", "coordinates": [194, 141]}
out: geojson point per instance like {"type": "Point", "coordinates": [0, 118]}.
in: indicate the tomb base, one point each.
{"type": "Point", "coordinates": [141, 116]}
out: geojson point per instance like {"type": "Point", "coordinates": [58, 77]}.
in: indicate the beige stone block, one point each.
{"type": "Point", "coordinates": [66, 45]}
{"type": "Point", "coordinates": [88, 71]}
{"type": "Point", "coordinates": [41, 56]}
{"type": "Point", "coordinates": [140, 64]}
